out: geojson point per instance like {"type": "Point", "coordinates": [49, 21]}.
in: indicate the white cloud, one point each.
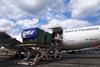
{"type": "Point", "coordinates": [83, 8]}
{"type": "Point", "coordinates": [66, 24]}
{"type": "Point", "coordinates": [6, 25]}
{"type": "Point", "coordinates": [14, 9]}
{"type": "Point", "coordinates": [34, 6]}
{"type": "Point", "coordinates": [27, 23]}
{"type": "Point", "coordinates": [29, 5]}
{"type": "Point", "coordinates": [10, 28]}
{"type": "Point", "coordinates": [10, 11]}
{"type": "Point", "coordinates": [54, 9]}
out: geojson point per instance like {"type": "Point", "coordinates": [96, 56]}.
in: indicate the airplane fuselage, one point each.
{"type": "Point", "coordinates": [81, 37]}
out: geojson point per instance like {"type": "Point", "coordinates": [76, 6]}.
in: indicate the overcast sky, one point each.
{"type": "Point", "coordinates": [16, 15]}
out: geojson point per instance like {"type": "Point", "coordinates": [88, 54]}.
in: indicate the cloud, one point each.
{"type": "Point", "coordinates": [35, 6]}
{"type": "Point", "coordinates": [13, 9]}
{"type": "Point", "coordinates": [27, 23]}
{"type": "Point", "coordinates": [84, 8]}
{"type": "Point", "coordinates": [10, 11]}
{"type": "Point", "coordinates": [6, 25]}
{"type": "Point", "coordinates": [30, 5]}
{"type": "Point", "coordinates": [10, 27]}
{"type": "Point", "coordinates": [65, 24]}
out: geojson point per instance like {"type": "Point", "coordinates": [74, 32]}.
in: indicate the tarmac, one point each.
{"type": "Point", "coordinates": [68, 60]}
